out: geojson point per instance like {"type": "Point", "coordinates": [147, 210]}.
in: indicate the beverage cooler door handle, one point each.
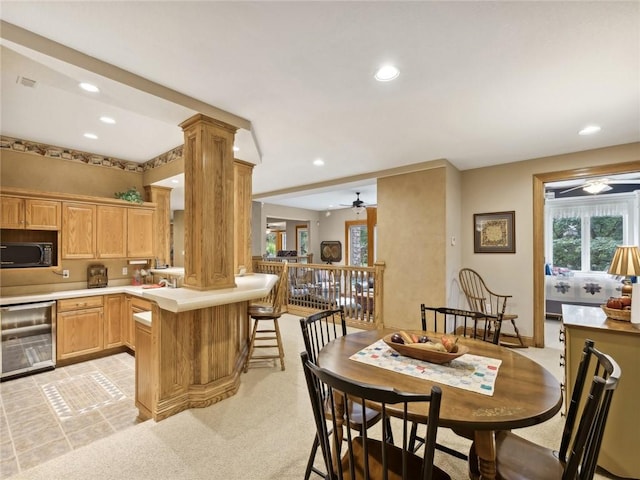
{"type": "Point", "coordinates": [27, 306]}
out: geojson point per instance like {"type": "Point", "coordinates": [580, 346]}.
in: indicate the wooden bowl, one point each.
{"type": "Point", "coordinates": [616, 314]}
{"type": "Point", "coordinates": [433, 356]}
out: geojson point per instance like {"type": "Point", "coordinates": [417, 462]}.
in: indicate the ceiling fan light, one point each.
{"type": "Point", "coordinates": [596, 187]}
{"type": "Point", "coordinates": [358, 210]}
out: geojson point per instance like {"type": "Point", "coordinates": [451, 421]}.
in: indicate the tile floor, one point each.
{"type": "Point", "coordinates": [49, 413]}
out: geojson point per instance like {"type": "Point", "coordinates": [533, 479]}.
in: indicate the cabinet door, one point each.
{"type": "Point", "coordinates": [144, 379]}
{"type": "Point", "coordinates": [42, 214]}
{"type": "Point", "coordinates": [79, 332]}
{"type": "Point", "coordinates": [12, 214]}
{"type": "Point", "coordinates": [78, 230]}
{"type": "Point", "coordinates": [114, 316]}
{"type": "Point", "coordinates": [134, 305]}
{"type": "Point", "coordinates": [111, 232]}
{"type": "Point", "coordinates": [139, 232]}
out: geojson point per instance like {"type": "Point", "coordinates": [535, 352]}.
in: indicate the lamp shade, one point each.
{"type": "Point", "coordinates": [626, 261]}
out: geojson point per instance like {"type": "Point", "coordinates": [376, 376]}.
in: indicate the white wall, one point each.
{"type": "Point", "coordinates": [510, 187]}
{"type": "Point", "coordinates": [296, 215]}
{"type": "Point", "coordinates": [332, 228]}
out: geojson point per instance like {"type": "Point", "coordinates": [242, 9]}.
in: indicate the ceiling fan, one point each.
{"type": "Point", "coordinates": [600, 185]}
{"type": "Point", "coordinates": [358, 205]}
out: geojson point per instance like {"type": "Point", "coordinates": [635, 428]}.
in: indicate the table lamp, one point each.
{"type": "Point", "coordinates": [626, 263]}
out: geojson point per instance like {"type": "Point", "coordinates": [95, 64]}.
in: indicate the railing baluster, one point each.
{"type": "Point", "coordinates": [331, 286]}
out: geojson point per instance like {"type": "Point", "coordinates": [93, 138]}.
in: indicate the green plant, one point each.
{"type": "Point", "coordinates": [131, 195]}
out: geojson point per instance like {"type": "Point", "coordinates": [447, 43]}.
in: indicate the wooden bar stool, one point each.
{"type": "Point", "coordinates": [269, 337]}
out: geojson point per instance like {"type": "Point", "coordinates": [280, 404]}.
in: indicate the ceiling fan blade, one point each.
{"type": "Point", "coordinates": [572, 189]}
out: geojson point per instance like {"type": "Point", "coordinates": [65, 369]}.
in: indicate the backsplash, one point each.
{"type": "Point", "coordinates": [33, 281]}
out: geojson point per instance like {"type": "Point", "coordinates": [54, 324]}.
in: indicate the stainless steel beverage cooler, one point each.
{"type": "Point", "coordinates": [28, 338]}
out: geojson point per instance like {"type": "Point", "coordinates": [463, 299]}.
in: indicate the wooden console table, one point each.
{"type": "Point", "coordinates": [619, 451]}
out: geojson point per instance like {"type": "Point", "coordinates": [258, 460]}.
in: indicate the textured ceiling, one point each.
{"type": "Point", "coordinates": [481, 83]}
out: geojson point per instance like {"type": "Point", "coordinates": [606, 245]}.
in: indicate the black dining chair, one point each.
{"type": "Point", "coordinates": [479, 325]}
{"type": "Point", "coordinates": [455, 321]}
{"type": "Point", "coordinates": [520, 459]}
{"type": "Point", "coordinates": [319, 329]}
{"type": "Point", "coordinates": [368, 456]}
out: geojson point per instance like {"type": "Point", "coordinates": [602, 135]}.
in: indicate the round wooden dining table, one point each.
{"type": "Point", "coordinates": [524, 394]}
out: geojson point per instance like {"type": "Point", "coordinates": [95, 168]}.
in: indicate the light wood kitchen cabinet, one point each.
{"type": "Point", "coordinates": [28, 213]}
{"type": "Point", "coordinates": [114, 320]}
{"type": "Point", "coordinates": [134, 305]}
{"type": "Point", "coordinates": [111, 232]}
{"type": "Point", "coordinates": [144, 390]}
{"type": "Point", "coordinates": [78, 230]}
{"type": "Point", "coordinates": [618, 453]}
{"type": "Point", "coordinates": [80, 327]}
{"type": "Point", "coordinates": [139, 233]}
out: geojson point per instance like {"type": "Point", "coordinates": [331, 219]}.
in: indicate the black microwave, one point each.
{"type": "Point", "coordinates": [26, 254]}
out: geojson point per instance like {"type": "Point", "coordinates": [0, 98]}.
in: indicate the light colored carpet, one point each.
{"type": "Point", "coordinates": [264, 432]}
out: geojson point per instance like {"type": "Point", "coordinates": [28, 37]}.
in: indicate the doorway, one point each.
{"type": "Point", "coordinates": [539, 181]}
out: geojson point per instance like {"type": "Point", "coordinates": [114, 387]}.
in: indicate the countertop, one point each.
{"type": "Point", "coordinates": [169, 271]}
{"type": "Point", "coordinates": [144, 317]}
{"type": "Point", "coordinates": [579, 316]}
{"type": "Point", "coordinates": [84, 292]}
{"type": "Point", "coordinates": [249, 287]}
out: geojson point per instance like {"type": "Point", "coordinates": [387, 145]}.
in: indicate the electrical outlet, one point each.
{"type": "Point", "coordinates": [65, 273]}
{"type": "Point", "coordinates": [125, 270]}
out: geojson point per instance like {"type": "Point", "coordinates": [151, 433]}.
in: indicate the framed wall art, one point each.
{"type": "Point", "coordinates": [331, 251]}
{"type": "Point", "coordinates": [494, 232]}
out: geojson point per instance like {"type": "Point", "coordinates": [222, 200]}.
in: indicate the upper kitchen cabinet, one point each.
{"type": "Point", "coordinates": [139, 233]}
{"type": "Point", "coordinates": [78, 230]}
{"type": "Point", "coordinates": [30, 214]}
{"type": "Point", "coordinates": [111, 231]}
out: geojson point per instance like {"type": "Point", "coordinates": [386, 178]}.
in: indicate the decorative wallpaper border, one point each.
{"type": "Point", "coordinates": [50, 151]}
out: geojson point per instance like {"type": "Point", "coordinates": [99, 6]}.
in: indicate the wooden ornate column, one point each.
{"type": "Point", "coordinates": [161, 196]}
{"type": "Point", "coordinates": [243, 172]}
{"type": "Point", "coordinates": [209, 202]}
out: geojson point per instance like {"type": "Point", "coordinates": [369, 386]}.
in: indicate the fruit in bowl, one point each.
{"type": "Point", "coordinates": [619, 303]}
{"type": "Point", "coordinates": [441, 350]}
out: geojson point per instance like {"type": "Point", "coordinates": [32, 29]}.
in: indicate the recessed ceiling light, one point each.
{"type": "Point", "coordinates": [589, 130]}
{"type": "Point", "coordinates": [175, 180]}
{"type": "Point", "coordinates": [89, 87]}
{"type": "Point", "coordinates": [108, 120]}
{"type": "Point", "coordinates": [318, 162]}
{"type": "Point", "coordinates": [387, 73]}
{"type": "Point", "coordinates": [92, 136]}
{"type": "Point", "coordinates": [236, 149]}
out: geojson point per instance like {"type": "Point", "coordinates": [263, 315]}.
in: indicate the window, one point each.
{"type": "Point", "coordinates": [271, 244]}
{"type": "Point", "coordinates": [276, 240]}
{"type": "Point", "coordinates": [357, 243]}
{"type": "Point", "coordinates": [302, 240]}
{"type": "Point", "coordinates": [582, 233]}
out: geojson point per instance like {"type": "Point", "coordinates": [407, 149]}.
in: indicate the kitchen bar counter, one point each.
{"type": "Point", "coordinates": [248, 287]}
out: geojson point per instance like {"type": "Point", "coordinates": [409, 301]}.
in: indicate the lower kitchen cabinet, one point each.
{"type": "Point", "coordinates": [80, 327]}
{"type": "Point", "coordinates": [144, 391]}
{"type": "Point", "coordinates": [134, 305]}
{"type": "Point", "coordinates": [114, 320]}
